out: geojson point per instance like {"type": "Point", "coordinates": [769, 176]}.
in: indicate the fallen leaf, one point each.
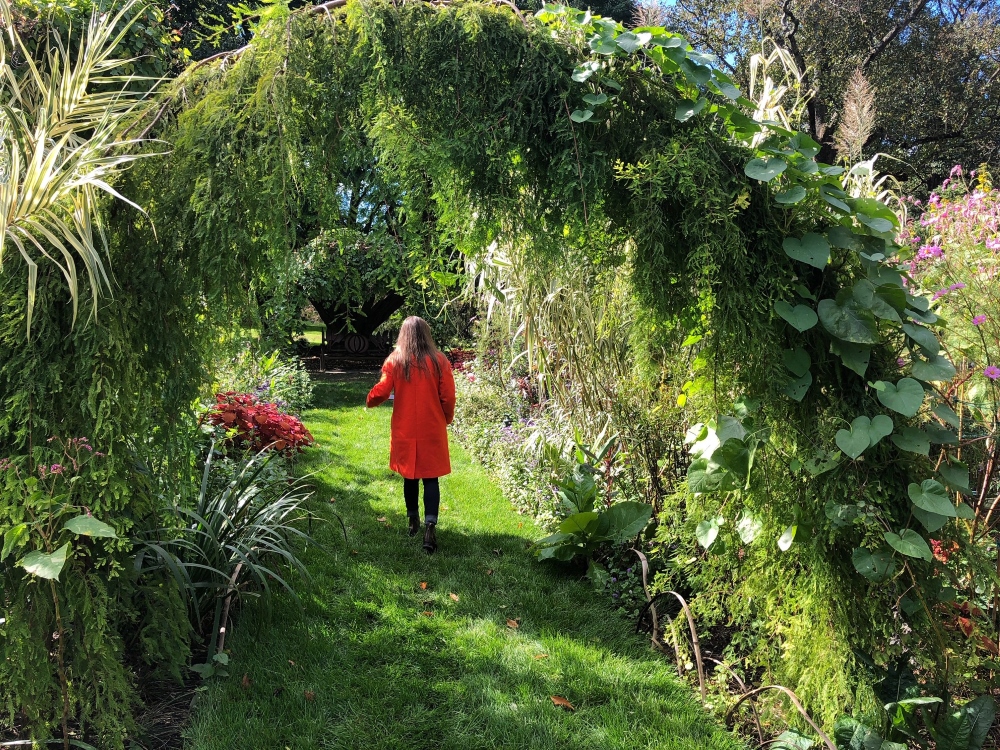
{"type": "Point", "coordinates": [498, 552]}
{"type": "Point", "coordinates": [427, 613]}
{"type": "Point", "coordinates": [489, 571]}
{"type": "Point", "coordinates": [520, 525]}
{"type": "Point", "coordinates": [541, 656]}
{"type": "Point", "coordinates": [291, 662]}
{"type": "Point", "coordinates": [333, 499]}
{"type": "Point", "coordinates": [558, 700]}
{"type": "Point", "coordinates": [381, 519]}
{"type": "Point", "coordinates": [514, 624]}
{"type": "Point", "coordinates": [311, 696]}
{"type": "Point", "coordinates": [423, 585]}
{"type": "Point", "coordinates": [246, 681]}
{"type": "Point", "coordinates": [454, 597]}
{"type": "Point", "coordinates": [354, 552]}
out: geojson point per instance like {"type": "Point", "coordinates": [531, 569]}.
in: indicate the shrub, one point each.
{"type": "Point", "coordinates": [255, 425]}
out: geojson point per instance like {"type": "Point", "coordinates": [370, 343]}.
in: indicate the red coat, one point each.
{"type": "Point", "coordinates": [423, 408]}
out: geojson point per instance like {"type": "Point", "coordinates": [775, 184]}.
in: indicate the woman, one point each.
{"type": "Point", "coordinates": [423, 407]}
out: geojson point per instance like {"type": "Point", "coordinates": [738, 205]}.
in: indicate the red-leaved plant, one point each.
{"type": "Point", "coordinates": [252, 424]}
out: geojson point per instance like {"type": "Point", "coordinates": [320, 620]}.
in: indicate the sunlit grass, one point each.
{"type": "Point", "coordinates": [375, 661]}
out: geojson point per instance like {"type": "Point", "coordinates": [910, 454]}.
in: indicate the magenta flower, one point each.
{"type": "Point", "coordinates": [979, 320]}
{"type": "Point", "coordinates": [992, 372]}
{"type": "Point", "coordinates": [56, 469]}
{"type": "Point", "coordinates": [900, 361]}
{"type": "Point", "coordinates": [956, 286]}
{"type": "Point", "coordinates": [956, 171]}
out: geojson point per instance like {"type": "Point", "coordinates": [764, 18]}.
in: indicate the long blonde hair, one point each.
{"type": "Point", "coordinates": [415, 346]}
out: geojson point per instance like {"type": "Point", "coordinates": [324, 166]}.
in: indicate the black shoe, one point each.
{"type": "Point", "coordinates": [414, 526]}
{"type": "Point", "coordinates": [430, 539]}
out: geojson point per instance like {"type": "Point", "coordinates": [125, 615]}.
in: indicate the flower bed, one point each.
{"type": "Point", "coordinates": [252, 424]}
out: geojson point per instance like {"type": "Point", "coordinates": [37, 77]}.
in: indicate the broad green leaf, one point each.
{"type": "Point", "coordinates": [848, 321]}
{"type": "Point", "coordinates": [854, 356]}
{"type": "Point", "coordinates": [47, 566]}
{"type": "Point", "coordinates": [598, 575]}
{"type": "Point", "coordinates": [904, 397]}
{"type": "Point", "coordinates": [964, 511]}
{"type": "Point", "coordinates": [913, 440]}
{"type": "Point", "coordinates": [875, 566]}
{"type": "Point", "coordinates": [812, 249]}
{"type": "Point", "coordinates": [794, 194]}
{"type": "Point", "coordinates": [935, 369]}
{"type": "Point", "coordinates": [629, 42]}
{"type": "Point", "coordinates": [800, 317]}
{"type": "Point", "coordinates": [940, 435]}
{"type": "Point", "coordinates": [704, 477]}
{"type": "Point", "coordinates": [850, 734]}
{"type": "Point", "coordinates": [924, 337]}
{"type": "Point", "coordinates": [821, 463]}
{"type": "Point", "coordinates": [595, 100]}
{"type": "Point", "coordinates": [855, 441]}
{"type": "Point", "coordinates": [786, 539]}
{"type": "Point", "coordinates": [578, 523]}
{"type": "Point", "coordinates": [930, 521]}
{"type": "Point", "coordinates": [797, 388]}
{"type": "Point", "coordinates": [627, 519]}
{"type": "Point", "coordinates": [765, 170]}
{"type": "Point", "coordinates": [875, 223]}
{"type": "Point", "coordinates": [827, 194]}
{"type": "Point", "coordinates": [734, 455]}
{"type": "Point", "coordinates": [85, 525]}
{"type": "Point", "coordinates": [796, 360]}
{"type": "Point", "coordinates": [909, 543]}
{"type": "Point", "coordinates": [881, 427]}
{"type": "Point", "coordinates": [877, 299]}
{"type": "Point", "coordinates": [955, 474]}
{"type": "Point", "coordinates": [792, 740]}
{"type": "Point", "coordinates": [581, 115]}
{"type": "Point", "coordinates": [982, 712]}
{"type": "Point", "coordinates": [843, 238]}
{"type": "Point", "coordinates": [930, 495]}
{"type": "Point", "coordinates": [707, 532]}
{"type": "Point", "coordinates": [748, 528]}
{"type": "Point", "coordinates": [685, 109]}
{"type": "Point", "coordinates": [946, 414]}
{"type": "Point", "coordinates": [15, 536]}
{"type": "Point", "coordinates": [805, 145]}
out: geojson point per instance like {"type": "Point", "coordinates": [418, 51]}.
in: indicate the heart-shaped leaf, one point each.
{"type": "Point", "coordinates": [15, 536]}
{"type": "Point", "coordinates": [707, 532]}
{"type": "Point", "coordinates": [955, 474]}
{"type": "Point", "coordinates": [854, 356]}
{"type": "Point", "coordinates": [881, 427]}
{"type": "Point", "coordinates": [581, 115]}
{"type": "Point", "coordinates": [909, 543]}
{"type": "Point", "coordinates": [940, 435]}
{"type": "Point", "coordinates": [855, 441]}
{"type": "Point", "coordinates": [840, 515]}
{"type": "Point", "coordinates": [687, 109]}
{"type": "Point", "coordinates": [800, 317]}
{"type": "Point", "coordinates": [595, 100]}
{"type": "Point", "coordinates": [848, 321]}
{"type": "Point", "coordinates": [843, 237]}
{"type": "Point", "coordinates": [946, 414]}
{"type": "Point", "coordinates": [875, 299]}
{"type": "Point", "coordinates": [629, 42]}
{"type": "Point", "coordinates": [913, 440]}
{"type": "Point", "coordinates": [796, 360]}
{"type": "Point", "coordinates": [924, 337]}
{"type": "Point", "coordinates": [89, 526]}
{"type": "Point", "coordinates": [875, 566]}
{"type": "Point", "coordinates": [874, 223]}
{"type": "Point", "coordinates": [47, 566]}
{"type": "Point", "coordinates": [930, 495]}
{"type": "Point", "coordinates": [905, 396]}
{"type": "Point", "coordinates": [794, 194]}
{"type": "Point", "coordinates": [812, 249]}
{"type": "Point", "coordinates": [805, 145]}
{"type": "Point", "coordinates": [765, 170]}
{"type": "Point", "coordinates": [797, 389]}
{"type": "Point", "coordinates": [930, 521]}
{"type": "Point", "coordinates": [829, 194]}
{"type": "Point", "coordinates": [935, 369]}
{"type": "Point", "coordinates": [748, 528]}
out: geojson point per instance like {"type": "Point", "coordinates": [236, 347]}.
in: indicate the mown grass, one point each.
{"type": "Point", "coordinates": [373, 660]}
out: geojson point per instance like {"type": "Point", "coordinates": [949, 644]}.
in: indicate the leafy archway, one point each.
{"type": "Point", "coordinates": [568, 135]}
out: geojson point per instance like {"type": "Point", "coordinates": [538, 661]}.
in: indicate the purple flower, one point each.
{"type": "Point", "coordinates": [614, 580]}
{"type": "Point", "coordinates": [56, 469]}
{"type": "Point", "coordinates": [615, 595]}
{"type": "Point", "coordinates": [992, 372]}
{"type": "Point", "coordinates": [956, 286]}
{"type": "Point", "coordinates": [956, 171]}
{"type": "Point", "coordinates": [6, 464]}
{"type": "Point", "coordinates": [900, 361]}
{"type": "Point", "coordinates": [979, 320]}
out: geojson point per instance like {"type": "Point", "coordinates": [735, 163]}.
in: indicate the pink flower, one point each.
{"type": "Point", "coordinates": [992, 372]}
{"type": "Point", "coordinates": [979, 320]}
{"type": "Point", "coordinates": [56, 469]}
{"type": "Point", "coordinates": [6, 464]}
{"type": "Point", "coordinates": [956, 171]}
{"type": "Point", "coordinates": [900, 361]}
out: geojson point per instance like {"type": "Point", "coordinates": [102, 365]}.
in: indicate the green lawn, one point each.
{"type": "Point", "coordinates": [373, 660]}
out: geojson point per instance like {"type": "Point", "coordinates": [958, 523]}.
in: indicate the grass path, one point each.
{"type": "Point", "coordinates": [373, 660]}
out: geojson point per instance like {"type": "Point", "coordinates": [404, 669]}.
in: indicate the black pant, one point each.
{"type": "Point", "coordinates": [432, 498]}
